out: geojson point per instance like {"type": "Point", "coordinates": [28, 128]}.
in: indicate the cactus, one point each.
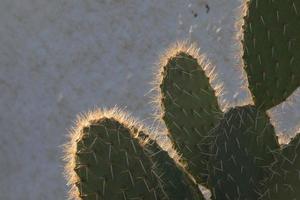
{"type": "Point", "coordinates": [190, 106]}
{"type": "Point", "coordinates": [110, 156]}
{"type": "Point", "coordinates": [235, 154]}
{"type": "Point", "coordinates": [271, 50]}
{"type": "Point", "coordinates": [242, 149]}
{"type": "Point", "coordinates": [283, 183]}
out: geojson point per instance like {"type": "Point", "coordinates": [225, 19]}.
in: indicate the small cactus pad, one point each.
{"type": "Point", "coordinates": [272, 50]}
{"type": "Point", "coordinates": [116, 160]}
{"type": "Point", "coordinates": [243, 144]}
{"type": "Point", "coordinates": [285, 179]}
{"type": "Point", "coordinates": [190, 107]}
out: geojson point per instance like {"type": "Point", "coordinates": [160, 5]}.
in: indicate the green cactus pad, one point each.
{"type": "Point", "coordinates": [243, 144]}
{"type": "Point", "coordinates": [190, 110]}
{"type": "Point", "coordinates": [114, 161]}
{"type": "Point", "coordinates": [176, 181]}
{"type": "Point", "coordinates": [284, 182]}
{"type": "Point", "coordinates": [272, 50]}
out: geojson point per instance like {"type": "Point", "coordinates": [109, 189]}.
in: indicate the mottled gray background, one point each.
{"type": "Point", "coordinates": [62, 57]}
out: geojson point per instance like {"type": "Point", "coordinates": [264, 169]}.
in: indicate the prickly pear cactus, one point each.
{"type": "Point", "coordinates": [283, 183]}
{"type": "Point", "coordinates": [271, 50]}
{"type": "Point", "coordinates": [190, 107]}
{"type": "Point", "coordinates": [112, 157]}
{"type": "Point", "coordinates": [236, 154]}
{"type": "Point", "coordinates": [242, 148]}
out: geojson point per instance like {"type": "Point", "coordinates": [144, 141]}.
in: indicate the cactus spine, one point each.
{"type": "Point", "coordinates": [234, 154]}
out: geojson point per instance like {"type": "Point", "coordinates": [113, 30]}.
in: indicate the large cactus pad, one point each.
{"type": "Point", "coordinates": [115, 161]}
{"type": "Point", "coordinates": [272, 50]}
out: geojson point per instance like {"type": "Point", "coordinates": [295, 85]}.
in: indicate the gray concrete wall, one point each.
{"type": "Point", "coordinates": [62, 57]}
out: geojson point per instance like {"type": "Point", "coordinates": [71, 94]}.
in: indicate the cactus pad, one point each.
{"type": "Point", "coordinates": [190, 107]}
{"type": "Point", "coordinates": [242, 148]}
{"type": "Point", "coordinates": [272, 50]}
{"type": "Point", "coordinates": [284, 182]}
{"type": "Point", "coordinates": [114, 160]}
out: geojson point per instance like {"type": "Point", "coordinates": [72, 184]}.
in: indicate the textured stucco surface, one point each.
{"type": "Point", "coordinates": [62, 57]}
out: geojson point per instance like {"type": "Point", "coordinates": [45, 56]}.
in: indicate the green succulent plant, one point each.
{"type": "Point", "coordinates": [235, 154]}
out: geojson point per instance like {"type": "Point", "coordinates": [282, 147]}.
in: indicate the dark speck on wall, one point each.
{"type": "Point", "coordinates": [195, 14]}
{"type": "Point", "coordinates": [207, 8]}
